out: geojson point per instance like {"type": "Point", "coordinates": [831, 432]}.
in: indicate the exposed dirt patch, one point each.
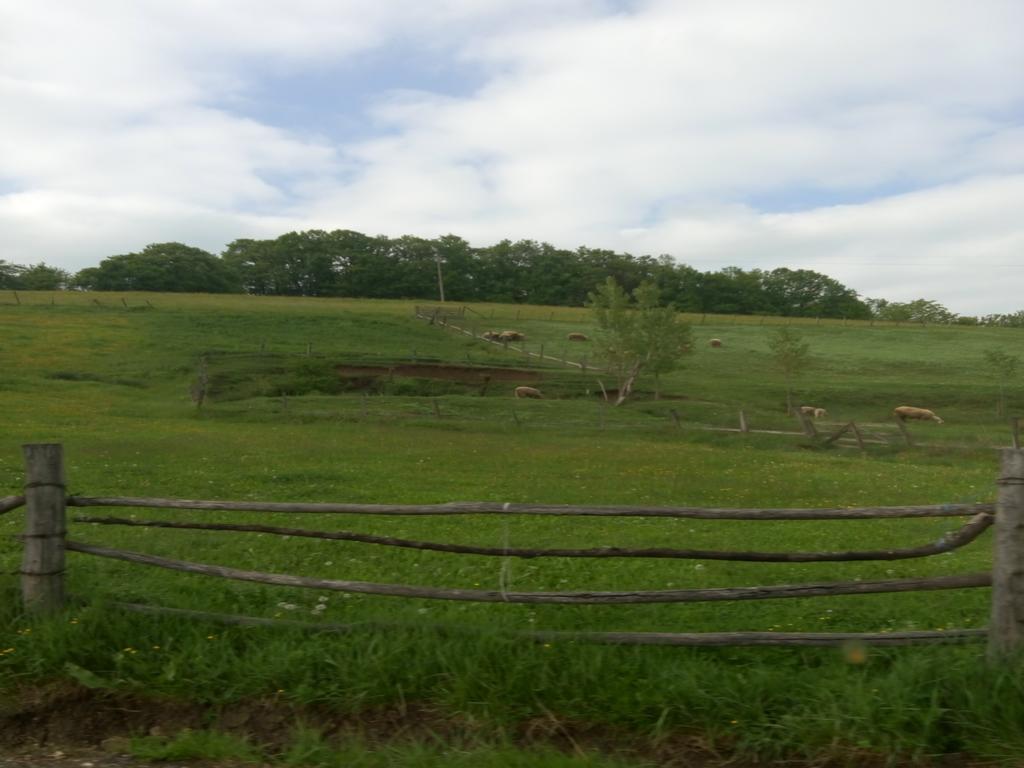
{"type": "Point", "coordinates": [67, 725]}
{"type": "Point", "coordinates": [462, 373]}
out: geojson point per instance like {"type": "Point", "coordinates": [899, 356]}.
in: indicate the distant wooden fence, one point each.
{"type": "Point", "coordinates": [436, 314]}
{"type": "Point", "coordinates": [432, 315]}
{"type": "Point", "coordinates": [45, 545]}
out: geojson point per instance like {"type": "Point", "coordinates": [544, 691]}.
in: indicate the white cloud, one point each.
{"type": "Point", "coordinates": [959, 242]}
{"type": "Point", "coordinates": [720, 131]}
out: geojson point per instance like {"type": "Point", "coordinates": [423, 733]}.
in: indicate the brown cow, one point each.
{"type": "Point", "coordinates": [577, 337]}
{"type": "Point", "coordinates": [528, 392]}
{"type": "Point", "coordinates": [715, 342]}
{"type": "Point", "coordinates": [905, 412]}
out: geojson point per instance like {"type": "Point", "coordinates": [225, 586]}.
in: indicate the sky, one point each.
{"type": "Point", "coordinates": [880, 142]}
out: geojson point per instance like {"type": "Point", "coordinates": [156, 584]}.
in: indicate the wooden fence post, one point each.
{"type": "Point", "coordinates": [744, 426]}
{"type": "Point", "coordinates": [1015, 431]}
{"type": "Point", "coordinates": [806, 423]}
{"type": "Point", "coordinates": [904, 431]}
{"type": "Point", "coordinates": [1006, 626]}
{"type": "Point", "coordinates": [858, 435]}
{"type": "Point", "coordinates": [42, 565]}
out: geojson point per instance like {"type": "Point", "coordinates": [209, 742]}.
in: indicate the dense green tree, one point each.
{"type": "Point", "coordinates": [41, 277]}
{"type": "Point", "coordinates": [413, 268]}
{"type": "Point", "coordinates": [503, 269]}
{"type": "Point", "coordinates": [349, 263]}
{"type": "Point", "coordinates": [247, 258]}
{"type": "Point", "coordinates": [305, 263]}
{"type": "Point", "coordinates": [364, 265]}
{"type": "Point", "coordinates": [732, 291]}
{"type": "Point", "coordinates": [10, 275]}
{"type": "Point", "coordinates": [458, 267]}
{"type": "Point", "coordinates": [553, 276]}
{"type": "Point", "coordinates": [805, 293]}
{"type": "Point", "coordinates": [678, 283]}
{"type": "Point", "coordinates": [169, 267]}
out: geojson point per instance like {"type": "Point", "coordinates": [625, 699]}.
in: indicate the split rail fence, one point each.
{"type": "Point", "coordinates": [443, 318]}
{"type": "Point", "coordinates": [46, 544]}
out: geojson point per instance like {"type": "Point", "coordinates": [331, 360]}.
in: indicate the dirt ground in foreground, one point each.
{"type": "Point", "coordinates": [70, 726]}
{"type": "Point", "coordinates": [77, 757]}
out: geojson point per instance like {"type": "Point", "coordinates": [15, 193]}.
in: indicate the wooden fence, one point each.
{"type": "Point", "coordinates": [432, 316]}
{"type": "Point", "coordinates": [46, 543]}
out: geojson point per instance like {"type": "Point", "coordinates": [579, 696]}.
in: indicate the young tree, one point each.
{"type": "Point", "coordinates": [638, 335]}
{"type": "Point", "coordinates": [1003, 366]}
{"type": "Point", "coordinates": [916, 311]}
{"type": "Point", "coordinates": [660, 332]}
{"type": "Point", "coordinates": [792, 355]}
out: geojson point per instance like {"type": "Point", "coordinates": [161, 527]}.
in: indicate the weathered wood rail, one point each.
{"type": "Point", "coordinates": [511, 508]}
{"type": "Point", "coordinates": [948, 543]}
{"type": "Point", "coordinates": [46, 542]}
{"type": "Point", "coordinates": [10, 503]}
{"type": "Point", "coordinates": [539, 598]}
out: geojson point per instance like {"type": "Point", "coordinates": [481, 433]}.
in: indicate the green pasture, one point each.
{"type": "Point", "coordinates": [110, 379]}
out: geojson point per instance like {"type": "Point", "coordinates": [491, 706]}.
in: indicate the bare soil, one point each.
{"type": "Point", "coordinates": [69, 726]}
{"type": "Point", "coordinates": [463, 373]}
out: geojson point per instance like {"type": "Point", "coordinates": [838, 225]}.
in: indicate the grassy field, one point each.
{"type": "Point", "coordinates": [110, 380]}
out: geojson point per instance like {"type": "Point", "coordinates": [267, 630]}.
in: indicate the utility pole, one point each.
{"type": "Point", "coordinates": [440, 280]}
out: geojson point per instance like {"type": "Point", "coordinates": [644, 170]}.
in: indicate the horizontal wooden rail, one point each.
{"type": "Point", "coordinates": [10, 503]}
{"type": "Point", "coordinates": [605, 638]}
{"type": "Point", "coordinates": [577, 598]}
{"type": "Point", "coordinates": [959, 538]}
{"type": "Point", "coordinates": [498, 508]}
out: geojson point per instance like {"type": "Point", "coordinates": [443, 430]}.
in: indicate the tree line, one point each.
{"type": "Point", "coordinates": [345, 263]}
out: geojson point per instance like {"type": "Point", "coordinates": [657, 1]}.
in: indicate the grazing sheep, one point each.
{"type": "Point", "coordinates": [511, 336]}
{"type": "Point", "coordinates": [905, 412]}
{"type": "Point", "coordinates": [815, 413]}
{"type": "Point", "coordinates": [491, 335]}
{"type": "Point", "coordinates": [577, 337]}
{"type": "Point", "coordinates": [528, 392]}
{"type": "Point", "coordinates": [715, 342]}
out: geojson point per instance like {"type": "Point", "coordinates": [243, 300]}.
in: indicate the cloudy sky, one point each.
{"type": "Point", "coordinates": [878, 141]}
